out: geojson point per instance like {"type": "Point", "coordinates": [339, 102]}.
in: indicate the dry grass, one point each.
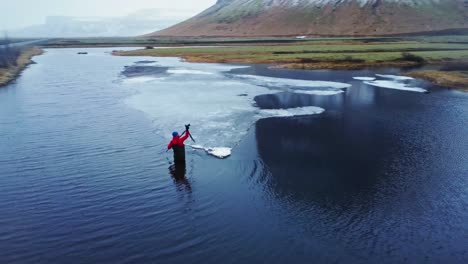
{"type": "Point", "coordinates": [9, 74]}
{"type": "Point", "coordinates": [320, 55]}
{"type": "Point", "coordinates": [449, 79]}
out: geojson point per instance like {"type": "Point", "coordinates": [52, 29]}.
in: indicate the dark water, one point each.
{"type": "Point", "coordinates": [380, 177]}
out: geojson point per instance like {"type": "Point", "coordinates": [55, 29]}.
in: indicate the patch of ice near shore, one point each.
{"type": "Point", "coordinates": [220, 118]}
{"type": "Point", "coordinates": [396, 85]}
{"type": "Point", "coordinates": [210, 102]}
{"type": "Point", "coordinates": [364, 78]}
{"type": "Point", "coordinates": [395, 77]}
{"type": "Point", "coordinates": [318, 92]}
{"type": "Point", "coordinates": [142, 79]}
{"type": "Point", "coordinates": [290, 112]}
{"type": "Point", "coordinates": [282, 83]}
{"type": "Point", "coordinates": [187, 71]}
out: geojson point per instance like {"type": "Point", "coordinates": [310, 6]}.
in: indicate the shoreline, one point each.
{"type": "Point", "coordinates": [285, 64]}
{"type": "Point", "coordinates": [446, 79]}
{"type": "Point", "coordinates": [8, 75]}
{"type": "Point", "coordinates": [457, 80]}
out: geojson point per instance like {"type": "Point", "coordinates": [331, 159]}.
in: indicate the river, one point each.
{"type": "Point", "coordinates": [288, 166]}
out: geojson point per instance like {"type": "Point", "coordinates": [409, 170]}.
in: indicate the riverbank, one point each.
{"type": "Point", "coordinates": [450, 79]}
{"type": "Point", "coordinates": [324, 54]}
{"type": "Point", "coordinates": [9, 74]}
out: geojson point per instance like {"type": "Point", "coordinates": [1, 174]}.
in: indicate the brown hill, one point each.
{"type": "Point", "coordinates": [247, 18]}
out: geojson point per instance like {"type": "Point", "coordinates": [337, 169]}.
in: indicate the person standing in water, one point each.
{"type": "Point", "coordinates": [177, 145]}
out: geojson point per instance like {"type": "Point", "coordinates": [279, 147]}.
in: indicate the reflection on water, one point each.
{"type": "Point", "coordinates": [178, 172]}
{"type": "Point", "coordinates": [319, 159]}
{"type": "Point", "coordinates": [385, 166]}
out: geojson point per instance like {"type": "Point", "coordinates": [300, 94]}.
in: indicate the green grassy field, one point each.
{"type": "Point", "coordinates": [323, 51]}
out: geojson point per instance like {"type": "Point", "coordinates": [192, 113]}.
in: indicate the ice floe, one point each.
{"type": "Point", "coordinates": [318, 92]}
{"type": "Point", "coordinates": [395, 77]}
{"type": "Point", "coordinates": [142, 79]}
{"type": "Point", "coordinates": [395, 85]}
{"type": "Point", "coordinates": [290, 112]}
{"type": "Point", "coordinates": [364, 78]}
{"type": "Point", "coordinates": [219, 152]}
{"type": "Point", "coordinates": [274, 82]}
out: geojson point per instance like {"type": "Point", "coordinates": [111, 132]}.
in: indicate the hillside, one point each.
{"type": "Point", "coordinates": [323, 17]}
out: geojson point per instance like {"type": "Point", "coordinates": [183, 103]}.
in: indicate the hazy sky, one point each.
{"type": "Point", "coordinates": [20, 13]}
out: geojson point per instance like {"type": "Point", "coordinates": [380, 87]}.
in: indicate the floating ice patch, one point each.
{"type": "Point", "coordinates": [186, 71]}
{"type": "Point", "coordinates": [396, 85]}
{"type": "Point", "coordinates": [290, 112]}
{"type": "Point", "coordinates": [142, 79]}
{"type": "Point", "coordinates": [395, 77]}
{"type": "Point", "coordinates": [219, 152]}
{"type": "Point", "coordinates": [318, 92]}
{"type": "Point", "coordinates": [364, 78]}
{"type": "Point", "coordinates": [291, 83]}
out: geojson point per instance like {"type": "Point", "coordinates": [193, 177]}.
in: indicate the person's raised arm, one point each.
{"type": "Point", "coordinates": [184, 137]}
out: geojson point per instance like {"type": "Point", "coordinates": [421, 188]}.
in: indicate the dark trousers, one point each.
{"type": "Point", "coordinates": [179, 153]}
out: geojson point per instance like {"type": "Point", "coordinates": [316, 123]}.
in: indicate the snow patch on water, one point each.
{"type": "Point", "coordinates": [395, 77]}
{"type": "Point", "coordinates": [364, 78]}
{"type": "Point", "coordinates": [396, 85]}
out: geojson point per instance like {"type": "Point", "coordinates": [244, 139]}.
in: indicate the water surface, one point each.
{"type": "Point", "coordinates": [379, 176]}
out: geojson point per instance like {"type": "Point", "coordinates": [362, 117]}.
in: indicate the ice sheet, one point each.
{"type": "Point", "coordinates": [291, 83]}
{"type": "Point", "coordinates": [220, 118]}
{"type": "Point", "coordinates": [187, 71]}
{"type": "Point", "coordinates": [395, 77]}
{"type": "Point", "coordinates": [364, 78]}
{"type": "Point", "coordinates": [396, 85]}
{"type": "Point", "coordinates": [299, 111]}
{"type": "Point", "coordinates": [142, 79]}
{"type": "Point", "coordinates": [219, 152]}
{"type": "Point", "coordinates": [318, 92]}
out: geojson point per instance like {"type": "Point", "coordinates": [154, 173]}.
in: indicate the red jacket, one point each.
{"type": "Point", "coordinates": [179, 141]}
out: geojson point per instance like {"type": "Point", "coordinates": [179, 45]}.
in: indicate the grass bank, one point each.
{"type": "Point", "coordinates": [320, 55]}
{"type": "Point", "coordinates": [450, 79]}
{"type": "Point", "coordinates": [12, 71]}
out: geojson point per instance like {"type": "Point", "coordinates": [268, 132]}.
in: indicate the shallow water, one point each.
{"type": "Point", "coordinates": [379, 176]}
